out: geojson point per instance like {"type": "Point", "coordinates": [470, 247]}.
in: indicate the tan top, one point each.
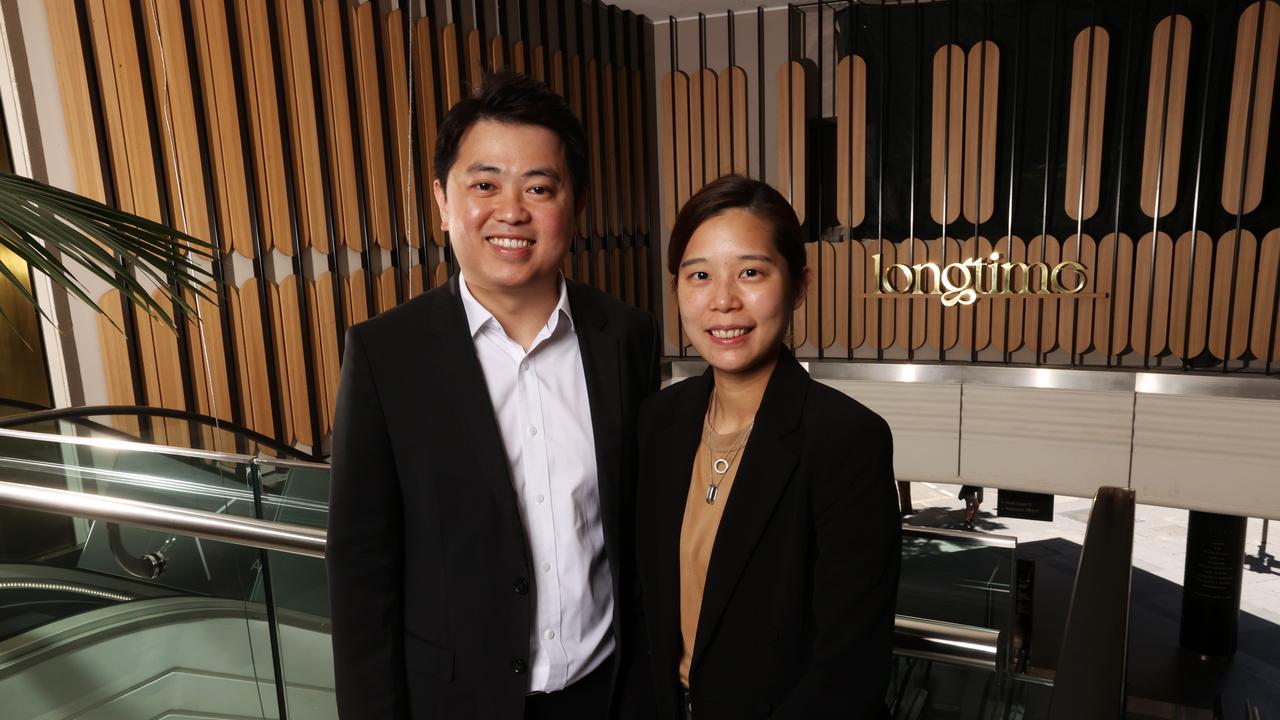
{"type": "Point", "coordinates": [698, 533]}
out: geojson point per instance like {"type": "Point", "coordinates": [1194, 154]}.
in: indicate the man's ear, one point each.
{"type": "Point", "coordinates": [442, 202]}
{"type": "Point", "coordinates": [802, 288]}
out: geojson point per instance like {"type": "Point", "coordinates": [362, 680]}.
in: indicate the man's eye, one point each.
{"type": "Point", "coordinates": [483, 186]}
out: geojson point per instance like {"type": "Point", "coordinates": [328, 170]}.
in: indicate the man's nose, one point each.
{"type": "Point", "coordinates": [511, 208]}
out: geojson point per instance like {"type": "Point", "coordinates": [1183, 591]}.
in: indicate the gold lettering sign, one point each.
{"type": "Point", "coordinates": [961, 283]}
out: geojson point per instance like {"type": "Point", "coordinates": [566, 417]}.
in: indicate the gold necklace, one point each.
{"type": "Point", "coordinates": [720, 465]}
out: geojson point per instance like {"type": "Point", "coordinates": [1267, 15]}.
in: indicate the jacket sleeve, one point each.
{"type": "Point", "coordinates": [855, 582]}
{"type": "Point", "coordinates": [364, 550]}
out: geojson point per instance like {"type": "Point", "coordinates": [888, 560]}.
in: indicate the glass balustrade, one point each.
{"type": "Point", "coordinates": [134, 615]}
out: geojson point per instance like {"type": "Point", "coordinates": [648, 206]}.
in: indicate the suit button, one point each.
{"type": "Point", "coordinates": [521, 586]}
{"type": "Point", "coordinates": [519, 666]}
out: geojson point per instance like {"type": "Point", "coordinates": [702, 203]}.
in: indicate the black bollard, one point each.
{"type": "Point", "coordinates": [1211, 584]}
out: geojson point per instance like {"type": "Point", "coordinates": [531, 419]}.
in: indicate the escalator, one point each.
{"type": "Point", "coordinates": [186, 583]}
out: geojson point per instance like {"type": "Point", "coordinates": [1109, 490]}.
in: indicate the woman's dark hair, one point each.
{"type": "Point", "coordinates": [516, 100]}
{"type": "Point", "coordinates": [736, 191]}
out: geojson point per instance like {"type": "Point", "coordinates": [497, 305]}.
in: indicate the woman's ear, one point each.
{"type": "Point", "coordinates": [801, 289]}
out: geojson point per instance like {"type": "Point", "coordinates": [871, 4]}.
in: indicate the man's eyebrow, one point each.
{"type": "Point", "coordinates": [546, 172]}
{"type": "Point", "coordinates": [479, 167]}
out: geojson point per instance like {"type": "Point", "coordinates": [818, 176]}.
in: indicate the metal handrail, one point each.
{"type": "Point", "coordinates": [264, 534]}
{"type": "Point", "coordinates": [962, 536]}
{"type": "Point", "coordinates": [129, 445]}
{"type": "Point", "coordinates": [947, 642]}
{"type": "Point", "coordinates": [914, 637]}
{"type": "Point", "coordinates": [81, 413]}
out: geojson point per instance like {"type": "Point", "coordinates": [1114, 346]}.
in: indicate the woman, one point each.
{"type": "Point", "coordinates": [768, 520]}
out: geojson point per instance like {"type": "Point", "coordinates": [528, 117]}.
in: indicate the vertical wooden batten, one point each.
{"type": "Point", "coordinates": [946, 145]}
{"type": "Point", "coordinates": [851, 140]}
{"type": "Point", "coordinates": [982, 105]}
{"type": "Point", "coordinates": [1166, 110]}
{"type": "Point", "coordinates": [1252, 87]}
{"type": "Point", "coordinates": [1085, 125]}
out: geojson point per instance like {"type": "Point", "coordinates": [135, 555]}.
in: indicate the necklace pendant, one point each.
{"type": "Point", "coordinates": [711, 494]}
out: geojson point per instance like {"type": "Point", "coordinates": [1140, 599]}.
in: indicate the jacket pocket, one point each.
{"type": "Point", "coordinates": [428, 659]}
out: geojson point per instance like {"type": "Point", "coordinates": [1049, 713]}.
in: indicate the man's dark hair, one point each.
{"type": "Point", "coordinates": [758, 198]}
{"type": "Point", "coordinates": [516, 100]}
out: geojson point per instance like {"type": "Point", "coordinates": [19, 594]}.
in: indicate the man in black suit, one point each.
{"type": "Point", "coordinates": [480, 555]}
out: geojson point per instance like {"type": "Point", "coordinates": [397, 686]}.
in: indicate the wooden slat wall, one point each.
{"type": "Point", "coordinates": [316, 113]}
{"type": "Point", "coordinates": [1061, 145]}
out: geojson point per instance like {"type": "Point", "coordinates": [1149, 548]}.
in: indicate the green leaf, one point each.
{"type": "Point", "coordinates": [45, 225]}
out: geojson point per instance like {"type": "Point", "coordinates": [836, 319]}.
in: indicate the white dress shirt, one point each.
{"type": "Point", "coordinates": [540, 401]}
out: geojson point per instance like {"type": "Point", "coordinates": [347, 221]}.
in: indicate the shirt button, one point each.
{"type": "Point", "coordinates": [519, 666]}
{"type": "Point", "coordinates": [533, 431]}
{"type": "Point", "coordinates": [521, 586]}
{"type": "Point", "coordinates": [546, 567]}
{"type": "Point", "coordinates": [540, 497]}
{"type": "Point", "coordinates": [550, 634]}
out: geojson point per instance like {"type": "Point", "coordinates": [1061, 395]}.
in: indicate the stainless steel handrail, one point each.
{"type": "Point", "coordinates": [946, 642]}
{"type": "Point", "coordinates": [134, 446]}
{"type": "Point", "coordinates": [962, 536]}
{"type": "Point", "coordinates": [250, 532]}
{"type": "Point", "coordinates": [114, 444]}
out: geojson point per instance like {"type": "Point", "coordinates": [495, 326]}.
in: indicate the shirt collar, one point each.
{"type": "Point", "coordinates": [478, 316]}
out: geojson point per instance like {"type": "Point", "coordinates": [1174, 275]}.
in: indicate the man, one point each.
{"type": "Point", "coordinates": [480, 555]}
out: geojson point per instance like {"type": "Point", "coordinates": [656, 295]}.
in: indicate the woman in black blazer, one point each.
{"type": "Point", "coordinates": [768, 526]}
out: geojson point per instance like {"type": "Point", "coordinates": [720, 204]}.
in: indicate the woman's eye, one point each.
{"type": "Point", "coordinates": [700, 275]}
{"type": "Point", "coordinates": [751, 272]}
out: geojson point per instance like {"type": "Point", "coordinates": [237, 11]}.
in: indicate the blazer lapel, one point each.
{"type": "Point", "coordinates": [601, 365]}
{"type": "Point", "coordinates": [763, 473]}
{"type": "Point", "coordinates": [679, 440]}
{"type": "Point", "coordinates": [467, 396]}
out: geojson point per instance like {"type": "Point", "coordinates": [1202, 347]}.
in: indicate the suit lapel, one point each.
{"type": "Point", "coordinates": [763, 474]}
{"type": "Point", "coordinates": [467, 396]}
{"type": "Point", "coordinates": [601, 366]}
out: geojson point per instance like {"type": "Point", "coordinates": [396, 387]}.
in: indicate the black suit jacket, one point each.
{"type": "Point", "coordinates": [797, 613]}
{"type": "Point", "coordinates": [430, 582]}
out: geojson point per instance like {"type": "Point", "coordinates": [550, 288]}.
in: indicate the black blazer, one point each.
{"type": "Point", "coordinates": [430, 582]}
{"type": "Point", "coordinates": [797, 614]}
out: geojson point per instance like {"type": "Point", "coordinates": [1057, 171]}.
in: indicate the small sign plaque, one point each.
{"type": "Point", "coordinates": [1025, 505]}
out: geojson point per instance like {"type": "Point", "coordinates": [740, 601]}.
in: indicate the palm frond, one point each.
{"type": "Point", "coordinates": [113, 245]}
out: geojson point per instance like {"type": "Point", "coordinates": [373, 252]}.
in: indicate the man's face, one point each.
{"type": "Point", "coordinates": [509, 207]}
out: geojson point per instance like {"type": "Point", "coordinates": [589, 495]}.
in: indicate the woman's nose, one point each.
{"type": "Point", "coordinates": [725, 297]}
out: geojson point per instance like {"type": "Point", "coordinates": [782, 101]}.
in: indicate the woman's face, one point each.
{"type": "Point", "coordinates": [735, 293]}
